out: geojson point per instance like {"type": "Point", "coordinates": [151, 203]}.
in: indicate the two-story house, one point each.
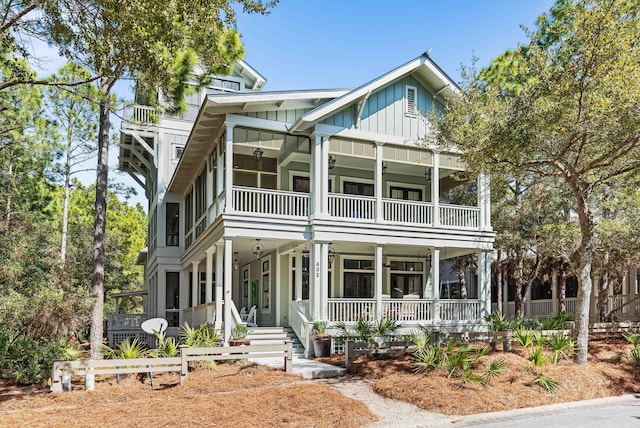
{"type": "Point", "coordinates": [311, 205]}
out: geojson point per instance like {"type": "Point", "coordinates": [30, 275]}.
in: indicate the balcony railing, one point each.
{"type": "Point", "coordinates": [352, 310]}
{"type": "Point", "coordinates": [408, 309]}
{"type": "Point", "coordinates": [140, 114]}
{"type": "Point", "coordinates": [399, 211]}
{"type": "Point", "coordinates": [271, 202]}
{"type": "Point", "coordinates": [459, 216]}
{"type": "Point", "coordinates": [126, 321]}
{"type": "Point", "coordinates": [352, 206]}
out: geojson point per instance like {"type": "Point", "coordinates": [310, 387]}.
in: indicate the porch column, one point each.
{"type": "Point", "coordinates": [219, 285]}
{"type": "Point", "coordinates": [209, 282]}
{"type": "Point", "coordinates": [219, 175]}
{"type": "Point", "coordinates": [484, 283]}
{"type": "Point", "coordinates": [378, 280]}
{"type": "Point", "coordinates": [324, 176]}
{"type": "Point", "coordinates": [633, 284]}
{"type": "Point", "coordinates": [378, 183]}
{"type": "Point", "coordinates": [435, 274]}
{"type": "Point", "coordinates": [228, 269]}
{"type": "Point", "coordinates": [298, 284]}
{"type": "Point", "coordinates": [228, 168]}
{"type": "Point", "coordinates": [505, 292]}
{"type": "Point", "coordinates": [318, 175]}
{"type": "Point", "coordinates": [484, 215]}
{"type": "Point", "coordinates": [195, 283]}
{"type": "Point", "coordinates": [314, 281]}
{"type": "Point", "coordinates": [527, 306]}
{"type": "Point", "coordinates": [324, 280]}
{"type": "Point", "coordinates": [435, 190]}
{"type": "Point", "coordinates": [184, 293]}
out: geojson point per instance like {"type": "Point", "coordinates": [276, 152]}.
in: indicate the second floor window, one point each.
{"type": "Point", "coordinates": [361, 189]}
{"type": "Point", "coordinates": [173, 224]}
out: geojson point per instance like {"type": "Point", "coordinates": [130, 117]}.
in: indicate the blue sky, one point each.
{"type": "Point", "coordinates": [313, 44]}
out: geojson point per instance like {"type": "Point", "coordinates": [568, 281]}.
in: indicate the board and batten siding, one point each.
{"type": "Point", "coordinates": [287, 116]}
{"type": "Point", "coordinates": [384, 111]}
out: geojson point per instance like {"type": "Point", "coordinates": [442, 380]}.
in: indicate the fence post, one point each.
{"type": "Point", "coordinates": [288, 358]}
{"type": "Point", "coordinates": [89, 380]}
{"type": "Point", "coordinates": [348, 353]}
{"type": "Point", "coordinates": [56, 377]}
{"type": "Point", "coordinates": [184, 365]}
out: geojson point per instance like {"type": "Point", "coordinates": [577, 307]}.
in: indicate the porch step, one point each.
{"type": "Point", "coordinates": [275, 335]}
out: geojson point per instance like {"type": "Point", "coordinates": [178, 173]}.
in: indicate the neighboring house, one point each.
{"type": "Point", "coordinates": [309, 205]}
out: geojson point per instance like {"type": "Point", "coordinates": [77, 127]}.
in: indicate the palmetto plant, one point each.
{"type": "Point", "coordinates": [633, 338]}
{"type": "Point", "coordinates": [202, 337]}
{"type": "Point", "coordinates": [561, 346]}
{"type": "Point", "coordinates": [551, 385]}
{"type": "Point", "coordinates": [537, 356]}
{"type": "Point", "coordinates": [524, 337]}
{"type": "Point", "coordinates": [385, 327]}
{"type": "Point", "coordinates": [497, 367]}
{"type": "Point", "coordinates": [126, 350]}
{"type": "Point", "coordinates": [167, 347]}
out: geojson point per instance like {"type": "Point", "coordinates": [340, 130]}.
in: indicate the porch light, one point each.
{"type": "Point", "coordinates": [331, 256]}
{"type": "Point", "coordinates": [332, 161]}
{"type": "Point", "coordinates": [384, 167]}
{"type": "Point", "coordinates": [236, 262]}
{"type": "Point", "coordinates": [257, 154]}
{"type": "Point", "coordinates": [258, 249]}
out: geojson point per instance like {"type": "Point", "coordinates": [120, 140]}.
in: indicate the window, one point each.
{"type": "Point", "coordinates": [410, 105]}
{"type": "Point", "coordinates": [358, 278]}
{"type": "Point", "coordinates": [245, 288]}
{"type": "Point", "coordinates": [362, 189]}
{"type": "Point", "coordinates": [406, 194]}
{"type": "Point", "coordinates": [540, 290]}
{"type": "Point", "coordinates": [172, 288]}
{"type": "Point", "coordinates": [248, 172]}
{"type": "Point", "coordinates": [571, 287]}
{"type": "Point", "coordinates": [178, 152]}
{"type": "Point", "coordinates": [173, 224]}
{"type": "Point", "coordinates": [301, 184]}
{"type": "Point", "coordinates": [305, 277]}
{"type": "Point", "coordinates": [266, 285]}
{"type": "Point", "coordinates": [406, 278]}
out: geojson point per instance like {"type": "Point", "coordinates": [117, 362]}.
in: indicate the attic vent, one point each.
{"type": "Point", "coordinates": [410, 108]}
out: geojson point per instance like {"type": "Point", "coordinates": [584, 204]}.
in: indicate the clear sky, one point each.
{"type": "Point", "coordinates": [319, 44]}
{"type": "Point", "coordinates": [326, 44]}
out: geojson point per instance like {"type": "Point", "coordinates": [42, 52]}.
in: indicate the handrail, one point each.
{"type": "Point", "coordinates": [300, 324]}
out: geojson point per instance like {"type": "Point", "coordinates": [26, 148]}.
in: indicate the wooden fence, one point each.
{"type": "Point", "coordinates": [63, 370]}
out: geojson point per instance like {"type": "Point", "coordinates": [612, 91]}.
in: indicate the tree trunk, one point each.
{"type": "Point", "coordinates": [603, 291]}
{"type": "Point", "coordinates": [519, 300]}
{"type": "Point", "coordinates": [562, 292]}
{"type": "Point", "coordinates": [65, 211]}
{"type": "Point", "coordinates": [463, 281]}
{"type": "Point", "coordinates": [9, 193]}
{"type": "Point", "coordinates": [499, 281]}
{"type": "Point", "coordinates": [97, 316]}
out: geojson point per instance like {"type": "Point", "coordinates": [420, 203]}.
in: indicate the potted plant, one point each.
{"type": "Point", "coordinates": [239, 336]}
{"type": "Point", "coordinates": [321, 340]}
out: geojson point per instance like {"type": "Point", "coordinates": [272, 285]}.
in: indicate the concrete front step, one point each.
{"type": "Point", "coordinates": [275, 335]}
{"type": "Point", "coordinates": [308, 369]}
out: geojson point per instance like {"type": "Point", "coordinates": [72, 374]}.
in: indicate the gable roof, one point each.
{"type": "Point", "coordinates": [422, 67]}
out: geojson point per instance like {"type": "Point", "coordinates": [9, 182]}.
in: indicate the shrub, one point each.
{"type": "Point", "coordinates": [202, 337]}
{"type": "Point", "coordinates": [26, 360]}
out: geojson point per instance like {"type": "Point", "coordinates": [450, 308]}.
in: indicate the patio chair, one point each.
{"type": "Point", "coordinates": [251, 317]}
{"type": "Point", "coordinates": [243, 314]}
{"type": "Point", "coordinates": [409, 310]}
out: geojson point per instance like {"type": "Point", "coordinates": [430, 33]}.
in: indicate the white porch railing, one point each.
{"type": "Point", "coordinates": [540, 307]}
{"type": "Point", "coordinates": [351, 310]}
{"type": "Point", "coordinates": [459, 310]}
{"type": "Point", "coordinates": [352, 206]}
{"type": "Point", "coordinates": [271, 202]}
{"type": "Point", "coordinates": [398, 211]}
{"type": "Point", "coordinates": [140, 114]}
{"type": "Point", "coordinates": [408, 309]}
{"type": "Point", "coordinates": [204, 313]}
{"type": "Point", "coordinates": [126, 321]}
{"type": "Point", "coordinates": [300, 324]}
{"type": "Point", "coordinates": [459, 216]}
{"type": "Point", "coordinates": [571, 304]}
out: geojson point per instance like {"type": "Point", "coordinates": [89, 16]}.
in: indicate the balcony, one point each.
{"type": "Point", "coordinates": [264, 202]}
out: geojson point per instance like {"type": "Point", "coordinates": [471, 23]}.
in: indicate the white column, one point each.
{"type": "Point", "coordinates": [219, 285]}
{"type": "Point", "coordinates": [208, 283]}
{"type": "Point", "coordinates": [314, 174]}
{"type": "Point", "coordinates": [278, 283]}
{"type": "Point", "coordinates": [298, 274]}
{"type": "Point", "coordinates": [378, 183]}
{"type": "Point", "coordinates": [484, 283]}
{"type": "Point", "coordinates": [484, 201]}
{"type": "Point", "coordinates": [314, 280]}
{"type": "Point", "coordinates": [184, 293]}
{"type": "Point", "coordinates": [324, 177]}
{"type": "Point", "coordinates": [228, 172]}
{"type": "Point", "coordinates": [435, 190]}
{"type": "Point", "coordinates": [195, 283]}
{"type": "Point", "coordinates": [435, 274]}
{"type": "Point", "coordinates": [228, 269]}
{"type": "Point", "coordinates": [324, 280]}
{"type": "Point", "coordinates": [219, 175]}
{"type": "Point", "coordinates": [378, 280]}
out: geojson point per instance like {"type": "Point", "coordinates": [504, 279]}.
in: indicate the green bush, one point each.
{"type": "Point", "coordinates": [28, 361]}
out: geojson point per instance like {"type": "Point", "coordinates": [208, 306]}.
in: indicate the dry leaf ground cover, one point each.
{"type": "Point", "coordinates": [238, 395]}
{"type": "Point", "coordinates": [232, 395]}
{"type": "Point", "coordinates": [608, 373]}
